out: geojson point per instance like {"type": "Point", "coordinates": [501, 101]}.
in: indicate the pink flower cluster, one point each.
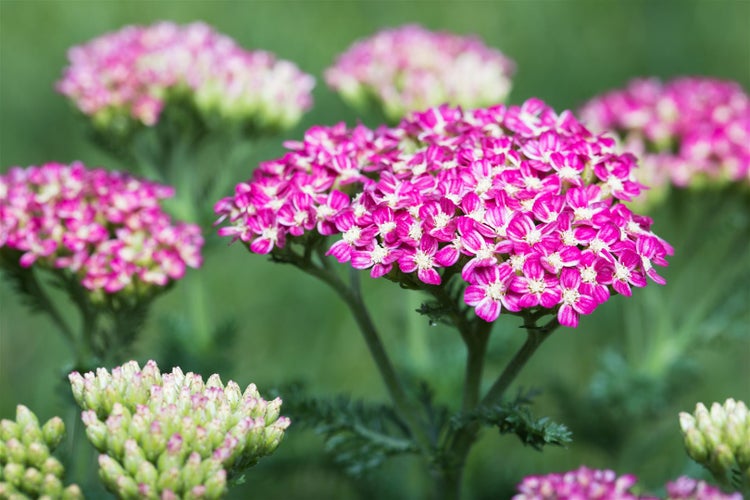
{"type": "Point", "coordinates": [584, 483]}
{"type": "Point", "coordinates": [522, 203]}
{"type": "Point", "coordinates": [686, 488]}
{"type": "Point", "coordinates": [684, 130]}
{"type": "Point", "coordinates": [410, 69]}
{"type": "Point", "coordinates": [132, 73]}
{"type": "Point", "coordinates": [592, 484]}
{"type": "Point", "coordinates": [107, 227]}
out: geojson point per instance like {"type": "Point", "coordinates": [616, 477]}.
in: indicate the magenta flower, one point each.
{"type": "Point", "coordinates": [135, 73]}
{"type": "Point", "coordinates": [490, 196]}
{"type": "Point", "coordinates": [686, 130]}
{"type": "Point", "coordinates": [107, 228]}
{"type": "Point", "coordinates": [583, 483]}
{"type": "Point", "coordinates": [410, 69]}
{"type": "Point", "coordinates": [687, 488]}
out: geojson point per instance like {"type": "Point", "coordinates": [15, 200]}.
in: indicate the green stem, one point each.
{"type": "Point", "coordinates": [352, 297]}
{"type": "Point", "coordinates": [535, 336]}
{"type": "Point", "coordinates": [35, 288]}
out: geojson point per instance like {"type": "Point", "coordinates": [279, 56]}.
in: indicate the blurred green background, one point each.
{"type": "Point", "coordinates": [292, 328]}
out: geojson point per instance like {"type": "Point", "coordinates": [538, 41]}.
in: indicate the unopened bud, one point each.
{"type": "Point", "coordinates": [51, 486]}
{"type": "Point", "coordinates": [53, 432]}
{"type": "Point", "coordinates": [16, 451]}
{"type": "Point", "coordinates": [37, 454]}
{"type": "Point", "coordinates": [25, 417]}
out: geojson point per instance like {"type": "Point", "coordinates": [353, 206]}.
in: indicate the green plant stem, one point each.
{"type": "Point", "coordinates": [351, 295]}
{"type": "Point", "coordinates": [35, 288]}
{"type": "Point", "coordinates": [535, 336]}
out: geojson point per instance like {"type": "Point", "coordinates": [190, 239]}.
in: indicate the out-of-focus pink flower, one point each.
{"type": "Point", "coordinates": [524, 204]}
{"type": "Point", "coordinates": [583, 483]}
{"type": "Point", "coordinates": [106, 227]}
{"type": "Point", "coordinates": [410, 69]}
{"type": "Point", "coordinates": [686, 131]}
{"type": "Point", "coordinates": [134, 73]}
{"type": "Point", "coordinates": [687, 488]}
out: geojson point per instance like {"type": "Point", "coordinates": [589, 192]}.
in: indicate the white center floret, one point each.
{"type": "Point", "coordinates": [423, 260]}
{"type": "Point", "coordinates": [378, 254]}
{"type": "Point", "coordinates": [495, 291]}
{"type": "Point", "coordinates": [570, 296]}
{"type": "Point", "coordinates": [583, 213]}
{"type": "Point", "coordinates": [323, 212]}
{"type": "Point", "coordinates": [415, 231]}
{"type": "Point", "coordinates": [483, 185]}
{"type": "Point", "coordinates": [533, 236]}
{"type": "Point", "coordinates": [387, 227]}
{"type": "Point", "coordinates": [597, 245]}
{"type": "Point", "coordinates": [588, 275]}
{"type": "Point", "coordinates": [537, 286]}
{"type": "Point", "coordinates": [352, 234]}
{"type": "Point", "coordinates": [622, 273]}
{"type": "Point", "coordinates": [441, 220]}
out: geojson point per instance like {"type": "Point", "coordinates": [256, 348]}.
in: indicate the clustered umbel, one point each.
{"type": "Point", "coordinates": [719, 439]}
{"type": "Point", "coordinates": [522, 203]}
{"type": "Point", "coordinates": [108, 228]}
{"type": "Point", "coordinates": [27, 468]}
{"type": "Point", "coordinates": [687, 488]}
{"type": "Point", "coordinates": [171, 435]}
{"type": "Point", "coordinates": [593, 484]}
{"type": "Point", "coordinates": [686, 131]}
{"type": "Point", "coordinates": [132, 74]}
{"type": "Point", "coordinates": [410, 69]}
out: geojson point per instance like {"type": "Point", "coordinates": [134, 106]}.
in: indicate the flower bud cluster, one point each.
{"type": "Point", "coordinates": [719, 438]}
{"type": "Point", "coordinates": [27, 468]}
{"type": "Point", "coordinates": [521, 202]}
{"type": "Point", "coordinates": [132, 74]}
{"type": "Point", "coordinates": [106, 227]}
{"type": "Point", "coordinates": [687, 130]}
{"type": "Point", "coordinates": [578, 484]}
{"type": "Point", "coordinates": [173, 435]}
{"type": "Point", "coordinates": [410, 69]}
{"type": "Point", "coordinates": [687, 488]}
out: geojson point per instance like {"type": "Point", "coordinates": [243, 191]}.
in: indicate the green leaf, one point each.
{"type": "Point", "coordinates": [514, 417]}
{"type": "Point", "coordinates": [360, 436]}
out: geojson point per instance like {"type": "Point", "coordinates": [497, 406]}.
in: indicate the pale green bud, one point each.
{"type": "Point", "coordinates": [214, 381]}
{"type": "Point", "coordinates": [32, 481]}
{"type": "Point", "coordinates": [722, 458]}
{"type": "Point", "coordinates": [13, 474]}
{"type": "Point", "coordinates": [51, 486]}
{"type": "Point", "coordinates": [169, 479]}
{"type": "Point", "coordinates": [36, 454]}
{"type": "Point", "coordinates": [77, 387]}
{"type": "Point", "coordinates": [695, 444]}
{"type": "Point", "coordinates": [16, 451]}
{"type": "Point", "coordinates": [53, 432]}
{"type": "Point", "coordinates": [25, 417]}
{"type": "Point", "coordinates": [191, 471]}
{"type": "Point", "coordinates": [96, 430]}
{"type": "Point", "coordinates": [52, 466]}
{"type": "Point", "coordinates": [216, 484]}
{"type": "Point", "coordinates": [3, 454]}
{"type": "Point", "coordinates": [72, 492]}
{"type": "Point", "coordinates": [147, 473]}
{"type": "Point", "coordinates": [133, 458]}
{"type": "Point", "coordinates": [9, 430]}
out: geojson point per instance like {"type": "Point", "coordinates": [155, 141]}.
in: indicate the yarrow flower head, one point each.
{"type": "Point", "coordinates": [130, 76]}
{"type": "Point", "coordinates": [583, 483]}
{"type": "Point", "coordinates": [523, 204]}
{"type": "Point", "coordinates": [27, 468]}
{"type": "Point", "coordinates": [687, 131]}
{"type": "Point", "coordinates": [719, 439]}
{"type": "Point", "coordinates": [687, 488]}
{"type": "Point", "coordinates": [173, 435]}
{"type": "Point", "coordinates": [107, 228]}
{"type": "Point", "coordinates": [593, 484]}
{"type": "Point", "coordinates": [410, 69]}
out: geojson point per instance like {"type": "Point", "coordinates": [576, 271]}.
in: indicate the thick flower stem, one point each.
{"type": "Point", "coordinates": [535, 336]}
{"type": "Point", "coordinates": [352, 296]}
